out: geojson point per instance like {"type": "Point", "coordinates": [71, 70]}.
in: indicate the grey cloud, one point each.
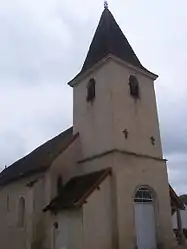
{"type": "Point", "coordinates": [43, 45]}
{"type": "Point", "coordinates": [12, 147]}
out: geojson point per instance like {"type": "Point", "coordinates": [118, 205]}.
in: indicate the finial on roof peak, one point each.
{"type": "Point", "coordinates": [105, 4]}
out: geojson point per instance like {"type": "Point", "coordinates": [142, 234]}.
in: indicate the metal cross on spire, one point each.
{"type": "Point", "coordinates": [105, 4]}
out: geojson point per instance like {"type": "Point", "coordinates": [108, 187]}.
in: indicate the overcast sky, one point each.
{"type": "Point", "coordinates": [43, 45]}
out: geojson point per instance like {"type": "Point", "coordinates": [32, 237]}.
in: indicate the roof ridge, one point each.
{"type": "Point", "coordinates": [38, 148]}
{"type": "Point", "coordinates": [39, 159]}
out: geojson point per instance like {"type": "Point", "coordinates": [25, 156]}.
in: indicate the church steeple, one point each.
{"type": "Point", "coordinates": [110, 40]}
{"type": "Point", "coordinates": [113, 96]}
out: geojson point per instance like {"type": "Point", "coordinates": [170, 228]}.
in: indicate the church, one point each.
{"type": "Point", "coordinates": [102, 183]}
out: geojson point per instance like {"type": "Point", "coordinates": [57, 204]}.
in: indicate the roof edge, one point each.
{"type": "Point", "coordinates": [64, 149]}
{"type": "Point", "coordinates": [90, 191]}
{"type": "Point", "coordinates": [29, 174]}
{"type": "Point", "coordinates": [39, 169]}
{"type": "Point", "coordinates": [80, 76]}
{"type": "Point", "coordinates": [179, 203]}
{"type": "Point", "coordinates": [79, 203]}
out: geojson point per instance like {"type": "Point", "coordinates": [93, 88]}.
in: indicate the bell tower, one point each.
{"type": "Point", "coordinates": [115, 114]}
{"type": "Point", "coordinates": [122, 112]}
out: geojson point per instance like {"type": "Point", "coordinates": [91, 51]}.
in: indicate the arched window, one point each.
{"type": "Point", "coordinates": [21, 212]}
{"type": "Point", "coordinates": [59, 184]}
{"type": "Point", "coordinates": [143, 195]}
{"type": "Point", "coordinates": [134, 87]}
{"type": "Point", "coordinates": [91, 90]}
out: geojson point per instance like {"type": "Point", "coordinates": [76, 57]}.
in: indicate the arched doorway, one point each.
{"type": "Point", "coordinates": [145, 218]}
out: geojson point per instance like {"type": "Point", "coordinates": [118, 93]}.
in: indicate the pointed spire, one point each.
{"type": "Point", "coordinates": [109, 39]}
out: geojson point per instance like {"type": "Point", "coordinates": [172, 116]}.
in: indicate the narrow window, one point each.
{"type": "Point", "coordinates": [7, 203]}
{"type": "Point", "coordinates": [21, 212]}
{"type": "Point", "coordinates": [59, 185]}
{"type": "Point", "coordinates": [134, 87]}
{"type": "Point", "coordinates": [91, 90]}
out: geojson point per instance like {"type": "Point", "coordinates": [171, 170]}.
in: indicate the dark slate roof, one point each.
{"type": "Point", "coordinates": [77, 190]}
{"type": "Point", "coordinates": [38, 160]}
{"type": "Point", "coordinates": [109, 40]}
